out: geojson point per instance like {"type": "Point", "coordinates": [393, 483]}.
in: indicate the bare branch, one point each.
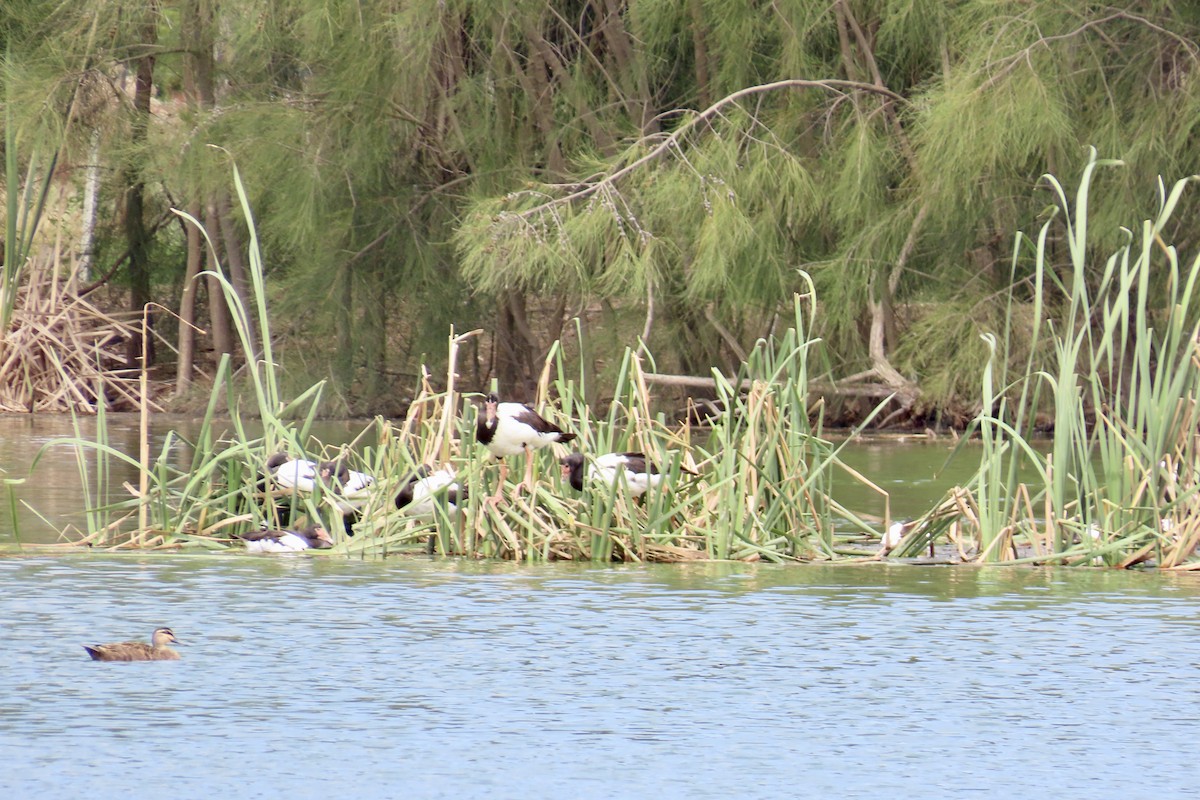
{"type": "Point", "coordinates": [841, 389]}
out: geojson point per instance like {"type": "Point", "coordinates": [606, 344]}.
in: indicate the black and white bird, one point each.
{"type": "Point", "coordinates": [297, 474]}
{"type": "Point", "coordinates": [896, 533]}
{"type": "Point", "coordinates": [347, 488]}
{"type": "Point", "coordinates": [420, 495]}
{"type": "Point", "coordinates": [507, 429]}
{"type": "Point", "coordinates": [292, 476]}
{"type": "Point", "coordinates": [274, 541]}
{"type": "Point", "coordinates": [640, 473]}
{"type": "Point", "coordinates": [350, 490]}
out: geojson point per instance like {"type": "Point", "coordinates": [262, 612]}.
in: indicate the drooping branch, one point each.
{"type": "Point", "coordinates": [1010, 62]}
{"type": "Point", "coordinates": [667, 143]}
{"type": "Point", "coordinates": [889, 109]}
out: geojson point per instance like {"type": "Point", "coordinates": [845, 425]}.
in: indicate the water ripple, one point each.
{"type": "Point", "coordinates": [309, 677]}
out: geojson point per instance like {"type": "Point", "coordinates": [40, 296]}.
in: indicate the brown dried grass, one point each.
{"type": "Point", "coordinates": [62, 352]}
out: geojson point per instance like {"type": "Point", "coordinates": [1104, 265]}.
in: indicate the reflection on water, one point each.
{"type": "Point", "coordinates": [916, 473]}
{"type": "Point", "coordinates": [306, 677]}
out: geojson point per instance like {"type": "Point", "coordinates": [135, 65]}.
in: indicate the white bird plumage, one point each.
{"type": "Point", "coordinates": [347, 489]}
{"type": "Point", "coordinates": [270, 541]}
{"type": "Point", "coordinates": [507, 429]}
{"type": "Point", "coordinates": [892, 537]}
{"type": "Point", "coordinates": [895, 533]}
{"type": "Point", "coordinates": [608, 469]}
{"type": "Point", "coordinates": [419, 495]}
{"type": "Point", "coordinates": [350, 486]}
{"type": "Point", "coordinates": [293, 473]}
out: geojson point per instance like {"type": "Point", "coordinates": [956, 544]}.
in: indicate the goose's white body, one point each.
{"type": "Point", "coordinates": [424, 492]}
{"type": "Point", "coordinates": [352, 489]}
{"type": "Point", "coordinates": [517, 427]}
{"type": "Point", "coordinates": [347, 487]}
{"type": "Point", "coordinates": [609, 468]}
{"type": "Point", "coordinates": [286, 542]}
{"type": "Point", "coordinates": [273, 541]}
{"type": "Point", "coordinates": [296, 474]}
{"type": "Point", "coordinates": [893, 535]}
{"type": "Point", "coordinates": [506, 429]}
{"type": "Point", "coordinates": [638, 473]}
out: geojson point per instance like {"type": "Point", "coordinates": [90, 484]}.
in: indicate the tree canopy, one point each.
{"type": "Point", "coordinates": [666, 168]}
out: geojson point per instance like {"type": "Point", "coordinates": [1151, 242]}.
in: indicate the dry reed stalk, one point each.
{"type": "Point", "coordinates": [62, 353]}
{"type": "Point", "coordinates": [450, 403]}
{"type": "Point", "coordinates": [640, 413]}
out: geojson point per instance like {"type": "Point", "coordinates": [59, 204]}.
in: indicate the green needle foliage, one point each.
{"type": "Point", "coordinates": [428, 163]}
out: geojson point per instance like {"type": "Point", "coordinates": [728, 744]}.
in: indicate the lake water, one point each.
{"type": "Point", "coordinates": [311, 677]}
{"type": "Point", "coordinates": [317, 677]}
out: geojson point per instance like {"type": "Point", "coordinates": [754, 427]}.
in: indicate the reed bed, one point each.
{"type": "Point", "coordinates": [61, 353]}
{"type": "Point", "coordinates": [754, 486]}
{"type": "Point", "coordinates": [1113, 361]}
{"type": "Point", "coordinates": [1115, 368]}
{"type": "Point", "coordinates": [58, 351]}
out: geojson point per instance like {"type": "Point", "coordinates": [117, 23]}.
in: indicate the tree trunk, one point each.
{"type": "Point", "coordinates": [698, 347]}
{"type": "Point", "coordinates": [516, 367]}
{"type": "Point", "coordinates": [629, 73]}
{"type": "Point", "coordinates": [700, 53]}
{"type": "Point", "coordinates": [91, 194]}
{"type": "Point", "coordinates": [375, 340]}
{"type": "Point", "coordinates": [232, 240]}
{"type": "Point", "coordinates": [218, 309]}
{"type": "Point", "coordinates": [343, 363]}
{"type": "Point", "coordinates": [187, 306]}
{"type": "Point", "coordinates": [532, 74]}
{"type": "Point", "coordinates": [134, 221]}
{"type": "Point", "coordinates": [196, 28]}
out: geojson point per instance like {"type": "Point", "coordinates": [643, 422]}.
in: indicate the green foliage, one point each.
{"type": "Point", "coordinates": [944, 345]}
{"type": "Point", "coordinates": [402, 149]}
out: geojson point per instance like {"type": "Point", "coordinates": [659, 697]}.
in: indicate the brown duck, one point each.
{"type": "Point", "coordinates": [157, 650]}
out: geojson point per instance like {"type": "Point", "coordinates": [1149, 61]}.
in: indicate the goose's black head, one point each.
{"type": "Point", "coordinates": [277, 460]}
{"type": "Point", "coordinates": [406, 491]}
{"type": "Point", "coordinates": [572, 470]}
{"type": "Point", "coordinates": [485, 428]}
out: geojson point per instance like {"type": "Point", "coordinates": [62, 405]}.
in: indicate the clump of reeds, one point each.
{"type": "Point", "coordinates": [1115, 364]}
{"type": "Point", "coordinates": [755, 484]}
{"type": "Point", "coordinates": [58, 351]}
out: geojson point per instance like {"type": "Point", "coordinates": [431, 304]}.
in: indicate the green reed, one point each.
{"type": "Point", "coordinates": [198, 491]}
{"type": "Point", "coordinates": [755, 484]}
{"type": "Point", "coordinates": [1114, 365]}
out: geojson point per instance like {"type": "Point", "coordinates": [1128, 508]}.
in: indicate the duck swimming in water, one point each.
{"type": "Point", "coordinates": [157, 650]}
